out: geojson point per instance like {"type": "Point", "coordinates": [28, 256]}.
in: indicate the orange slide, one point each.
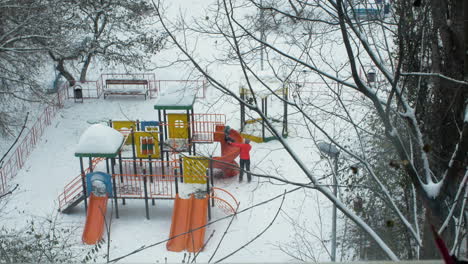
{"type": "Point", "coordinates": [228, 153]}
{"type": "Point", "coordinates": [188, 214]}
{"type": "Point", "coordinates": [94, 227]}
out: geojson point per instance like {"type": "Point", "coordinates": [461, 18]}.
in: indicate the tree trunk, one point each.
{"type": "Point", "coordinates": [84, 70]}
{"type": "Point", "coordinates": [429, 248]}
{"type": "Point", "coordinates": [65, 73]}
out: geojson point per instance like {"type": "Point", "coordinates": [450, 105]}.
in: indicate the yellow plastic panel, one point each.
{"type": "Point", "coordinates": [125, 125]}
{"type": "Point", "coordinates": [151, 146]}
{"type": "Point", "coordinates": [178, 125]}
{"type": "Point", "coordinates": [195, 169]}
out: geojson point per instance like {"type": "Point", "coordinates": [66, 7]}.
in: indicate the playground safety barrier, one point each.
{"type": "Point", "coordinates": [129, 183]}
{"type": "Point", "coordinates": [19, 154]}
{"type": "Point", "coordinates": [159, 86]}
{"type": "Point", "coordinates": [224, 200]}
{"type": "Point", "coordinates": [204, 125]}
{"type": "Point", "coordinates": [159, 176]}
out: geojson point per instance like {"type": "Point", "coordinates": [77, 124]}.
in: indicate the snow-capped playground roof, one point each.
{"type": "Point", "coordinates": [174, 99]}
{"type": "Point", "coordinates": [99, 141]}
{"type": "Point", "coordinates": [258, 87]}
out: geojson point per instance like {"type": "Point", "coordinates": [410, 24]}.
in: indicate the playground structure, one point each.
{"type": "Point", "coordinates": [150, 160]}
{"type": "Point", "coordinates": [262, 90]}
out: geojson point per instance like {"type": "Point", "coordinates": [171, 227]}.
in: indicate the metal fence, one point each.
{"type": "Point", "coordinates": [160, 86]}
{"type": "Point", "coordinates": [94, 89]}
{"type": "Point", "coordinates": [19, 154]}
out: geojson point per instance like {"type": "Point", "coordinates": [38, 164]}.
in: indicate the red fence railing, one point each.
{"type": "Point", "coordinates": [89, 89]}
{"type": "Point", "coordinates": [94, 89]}
{"type": "Point", "coordinates": [203, 126]}
{"type": "Point", "coordinates": [19, 154]}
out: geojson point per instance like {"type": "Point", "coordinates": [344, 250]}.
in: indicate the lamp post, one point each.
{"type": "Point", "coordinates": [333, 152]}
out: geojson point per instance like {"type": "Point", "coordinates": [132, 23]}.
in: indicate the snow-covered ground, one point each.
{"type": "Point", "coordinates": [52, 165]}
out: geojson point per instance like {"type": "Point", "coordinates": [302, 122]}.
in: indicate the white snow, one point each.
{"type": "Point", "coordinates": [433, 189]}
{"type": "Point", "coordinates": [182, 96]}
{"type": "Point", "coordinates": [99, 139]}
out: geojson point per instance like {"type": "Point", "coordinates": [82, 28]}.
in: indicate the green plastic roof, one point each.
{"type": "Point", "coordinates": [97, 155]}
{"type": "Point", "coordinates": [100, 141]}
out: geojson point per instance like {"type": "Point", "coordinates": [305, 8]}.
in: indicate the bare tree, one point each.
{"type": "Point", "coordinates": [111, 32]}
{"type": "Point", "coordinates": [304, 45]}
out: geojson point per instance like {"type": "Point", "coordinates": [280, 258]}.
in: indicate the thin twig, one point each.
{"type": "Point", "coordinates": [259, 234]}
{"type": "Point", "coordinates": [16, 140]}
{"type": "Point", "coordinates": [9, 192]}
{"type": "Point", "coordinates": [144, 247]}
{"type": "Point", "coordinates": [224, 234]}
{"type": "Point", "coordinates": [204, 245]}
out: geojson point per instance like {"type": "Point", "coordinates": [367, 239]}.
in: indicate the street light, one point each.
{"type": "Point", "coordinates": [333, 152]}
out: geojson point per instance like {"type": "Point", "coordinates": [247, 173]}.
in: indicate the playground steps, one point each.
{"type": "Point", "coordinates": [74, 202]}
{"type": "Point", "coordinates": [73, 191]}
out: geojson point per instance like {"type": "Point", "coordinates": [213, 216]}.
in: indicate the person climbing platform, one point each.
{"type": "Point", "coordinates": [244, 158]}
{"type": "Point", "coordinates": [227, 132]}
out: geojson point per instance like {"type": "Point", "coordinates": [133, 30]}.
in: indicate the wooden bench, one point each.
{"type": "Point", "coordinates": [110, 82]}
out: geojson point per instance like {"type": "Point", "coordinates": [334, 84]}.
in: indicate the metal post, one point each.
{"type": "Point", "coordinates": [165, 122]}
{"type": "Point", "coordinates": [181, 170]}
{"type": "Point", "coordinates": [192, 121]}
{"type": "Point", "coordinates": [121, 173]}
{"type": "Point", "coordinates": [212, 181]}
{"type": "Point", "coordinates": [146, 197]}
{"type": "Point", "coordinates": [90, 164]}
{"type": "Point", "coordinates": [332, 151]}
{"type": "Point", "coordinates": [208, 193]}
{"type": "Point", "coordinates": [83, 182]}
{"type": "Point", "coordinates": [335, 192]}
{"type": "Point", "coordinates": [176, 182]}
{"type": "Point", "coordinates": [115, 190]}
{"type": "Point", "coordinates": [134, 152]}
{"type": "Point", "coordinates": [161, 135]}
{"type": "Point", "coordinates": [151, 174]}
{"type": "Point", "coordinates": [189, 139]}
{"type": "Point", "coordinates": [150, 168]}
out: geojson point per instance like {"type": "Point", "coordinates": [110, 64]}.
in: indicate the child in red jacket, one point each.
{"type": "Point", "coordinates": [244, 158]}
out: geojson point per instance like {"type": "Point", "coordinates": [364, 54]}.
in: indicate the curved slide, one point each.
{"type": "Point", "coordinates": [188, 214]}
{"type": "Point", "coordinates": [228, 153]}
{"type": "Point", "coordinates": [95, 219]}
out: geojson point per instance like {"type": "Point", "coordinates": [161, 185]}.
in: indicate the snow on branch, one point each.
{"type": "Point", "coordinates": [433, 74]}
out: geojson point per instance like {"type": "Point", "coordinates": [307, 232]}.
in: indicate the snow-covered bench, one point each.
{"type": "Point", "coordinates": [117, 87]}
